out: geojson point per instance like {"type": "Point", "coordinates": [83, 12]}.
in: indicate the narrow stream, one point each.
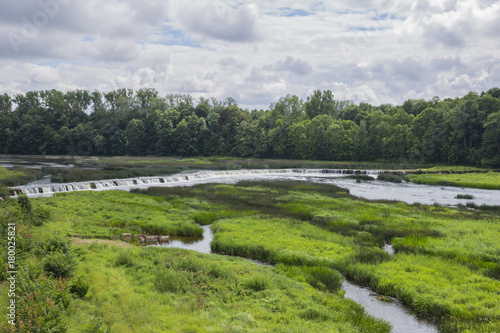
{"type": "Point", "coordinates": [393, 311]}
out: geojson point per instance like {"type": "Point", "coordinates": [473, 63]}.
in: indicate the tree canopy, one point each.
{"type": "Point", "coordinates": [463, 130]}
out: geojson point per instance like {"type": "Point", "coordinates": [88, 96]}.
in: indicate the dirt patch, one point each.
{"type": "Point", "coordinates": [80, 241]}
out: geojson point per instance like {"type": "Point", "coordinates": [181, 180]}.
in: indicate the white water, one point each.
{"type": "Point", "coordinates": [182, 179]}
{"type": "Point", "coordinates": [406, 192]}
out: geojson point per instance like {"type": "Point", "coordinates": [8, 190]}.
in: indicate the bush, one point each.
{"type": "Point", "coordinates": [79, 287]}
{"type": "Point", "coordinates": [169, 280]}
{"type": "Point", "coordinates": [54, 244]}
{"type": "Point", "coordinates": [41, 304]}
{"type": "Point", "coordinates": [256, 283]}
{"type": "Point", "coordinates": [59, 265]}
{"type": "Point", "coordinates": [25, 204]}
{"type": "Point", "coordinates": [124, 258]}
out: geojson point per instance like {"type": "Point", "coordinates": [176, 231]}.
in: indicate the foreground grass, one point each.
{"type": "Point", "coordinates": [490, 180]}
{"type": "Point", "coordinates": [174, 290]}
{"type": "Point", "coordinates": [446, 266]}
{"type": "Point", "coordinates": [447, 261]}
{"type": "Point", "coordinates": [109, 288]}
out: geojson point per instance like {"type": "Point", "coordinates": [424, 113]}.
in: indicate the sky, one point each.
{"type": "Point", "coordinates": [378, 52]}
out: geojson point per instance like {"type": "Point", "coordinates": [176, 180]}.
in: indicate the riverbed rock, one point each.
{"type": "Point", "coordinates": [127, 237]}
{"type": "Point", "coordinates": [163, 239]}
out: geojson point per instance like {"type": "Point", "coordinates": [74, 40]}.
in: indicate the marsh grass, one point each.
{"type": "Point", "coordinates": [489, 180]}
{"type": "Point", "coordinates": [389, 177]}
{"type": "Point", "coordinates": [108, 213]}
{"type": "Point", "coordinates": [464, 196]}
{"type": "Point", "coordinates": [185, 291]}
{"type": "Point", "coordinates": [442, 268]}
{"type": "Point", "coordinates": [18, 176]}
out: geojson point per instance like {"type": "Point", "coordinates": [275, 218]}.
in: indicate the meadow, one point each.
{"type": "Point", "coordinates": [110, 288]}
{"type": "Point", "coordinates": [446, 266]}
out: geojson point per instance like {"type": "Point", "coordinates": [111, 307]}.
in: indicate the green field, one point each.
{"type": "Point", "coordinates": [490, 180]}
{"type": "Point", "coordinates": [446, 266]}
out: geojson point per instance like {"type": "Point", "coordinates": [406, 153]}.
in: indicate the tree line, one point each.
{"type": "Point", "coordinates": [464, 130]}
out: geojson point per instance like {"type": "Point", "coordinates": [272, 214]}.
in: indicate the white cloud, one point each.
{"type": "Point", "coordinates": [376, 51]}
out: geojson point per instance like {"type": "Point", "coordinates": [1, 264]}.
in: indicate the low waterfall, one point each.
{"type": "Point", "coordinates": [49, 189]}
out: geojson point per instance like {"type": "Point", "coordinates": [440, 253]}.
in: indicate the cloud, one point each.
{"type": "Point", "coordinates": [375, 51]}
{"type": "Point", "coordinates": [296, 66]}
{"type": "Point", "coordinates": [220, 21]}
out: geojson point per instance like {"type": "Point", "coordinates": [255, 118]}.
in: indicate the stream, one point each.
{"type": "Point", "coordinates": [392, 311]}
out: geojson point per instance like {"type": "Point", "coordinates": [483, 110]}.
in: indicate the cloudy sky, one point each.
{"type": "Point", "coordinates": [380, 51]}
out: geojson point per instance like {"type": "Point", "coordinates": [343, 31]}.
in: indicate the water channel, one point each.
{"type": "Point", "coordinates": [391, 310]}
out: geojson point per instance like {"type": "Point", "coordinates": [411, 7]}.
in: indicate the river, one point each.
{"type": "Point", "coordinates": [405, 192]}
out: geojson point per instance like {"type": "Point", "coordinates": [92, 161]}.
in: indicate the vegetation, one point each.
{"type": "Point", "coordinates": [13, 177]}
{"type": "Point", "coordinates": [144, 289]}
{"type": "Point", "coordinates": [105, 214]}
{"type": "Point", "coordinates": [446, 266]}
{"type": "Point", "coordinates": [464, 196]}
{"type": "Point", "coordinates": [490, 180]}
{"type": "Point", "coordinates": [311, 226]}
{"type": "Point", "coordinates": [124, 122]}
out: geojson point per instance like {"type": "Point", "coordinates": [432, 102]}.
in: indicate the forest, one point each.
{"type": "Point", "coordinates": [464, 130]}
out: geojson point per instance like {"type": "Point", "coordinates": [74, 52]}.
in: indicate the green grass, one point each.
{"type": "Point", "coordinates": [173, 290]}
{"type": "Point", "coordinates": [312, 225]}
{"type": "Point", "coordinates": [107, 213]}
{"type": "Point", "coordinates": [490, 180]}
{"type": "Point", "coordinates": [14, 177]}
{"type": "Point", "coordinates": [446, 266]}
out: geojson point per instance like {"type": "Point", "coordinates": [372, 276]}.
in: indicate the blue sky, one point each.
{"type": "Point", "coordinates": [382, 51]}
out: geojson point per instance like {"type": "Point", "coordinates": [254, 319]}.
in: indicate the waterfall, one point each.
{"type": "Point", "coordinates": [181, 178]}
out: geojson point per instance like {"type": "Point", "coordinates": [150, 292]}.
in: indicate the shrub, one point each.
{"type": "Point", "coordinates": [59, 264]}
{"type": "Point", "coordinates": [124, 258]}
{"type": "Point", "coordinates": [256, 283]}
{"type": "Point", "coordinates": [25, 204]}
{"type": "Point", "coordinates": [41, 304]}
{"type": "Point", "coordinates": [54, 244]}
{"type": "Point", "coordinates": [169, 280]}
{"type": "Point", "coordinates": [79, 287]}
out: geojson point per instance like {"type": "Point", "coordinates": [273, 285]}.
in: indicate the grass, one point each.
{"type": "Point", "coordinates": [152, 289]}
{"type": "Point", "coordinates": [108, 213]}
{"type": "Point", "coordinates": [446, 266]}
{"type": "Point", "coordinates": [464, 196]}
{"type": "Point", "coordinates": [18, 176]}
{"type": "Point", "coordinates": [303, 225]}
{"type": "Point", "coordinates": [490, 180]}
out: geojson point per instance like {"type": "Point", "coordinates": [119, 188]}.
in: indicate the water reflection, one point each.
{"type": "Point", "coordinates": [199, 244]}
{"type": "Point", "coordinates": [393, 311]}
